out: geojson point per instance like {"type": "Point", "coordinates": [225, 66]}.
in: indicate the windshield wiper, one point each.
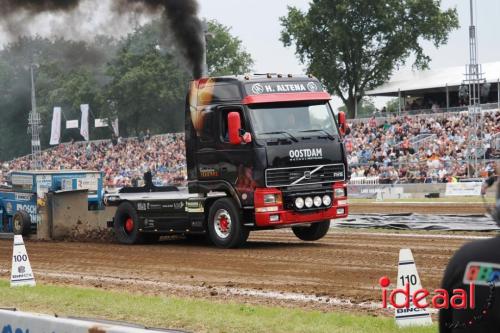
{"type": "Point", "coordinates": [294, 139]}
{"type": "Point", "coordinates": [331, 137]}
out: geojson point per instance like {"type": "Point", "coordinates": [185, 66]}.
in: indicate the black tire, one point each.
{"type": "Point", "coordinates": [234, 234]}
{"type": "Point", "coordinates": [312, 233]}
{"type": "Point", "coordinates": [127, 234]}
{"type": "Point", "coordinates": [21, 223]}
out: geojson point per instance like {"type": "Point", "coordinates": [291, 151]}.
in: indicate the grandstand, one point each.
{"type": "Point", "coordinates": [123, 162]}
{"type": "Point", "coordinates": [420, 148]}
{"type": "Point", "coordinates": [396, 149]}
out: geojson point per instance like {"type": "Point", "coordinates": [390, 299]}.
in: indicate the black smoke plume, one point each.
{"type": "Point", "coordinates": [181, 18]}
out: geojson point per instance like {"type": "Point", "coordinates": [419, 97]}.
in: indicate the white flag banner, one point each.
{"type": "Point", "coordinates": [71, 124]}
{"type": "Point", "coordinates": [55, 134]}
{"type": "Point", "coordinates": [115, 127]}
{"type": "Point", "coordinates": [84, 129]}
{"type": "Point", "coordinates": [101, 123]}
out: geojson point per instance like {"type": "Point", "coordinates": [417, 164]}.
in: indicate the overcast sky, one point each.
{"type": "Point", "coordinates": [257, 24]}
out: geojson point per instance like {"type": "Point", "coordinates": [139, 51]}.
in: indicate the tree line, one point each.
{"type": "Point", "coordinates": [136, 78]}
{"type": "Point", "coordinates": [352, 46]}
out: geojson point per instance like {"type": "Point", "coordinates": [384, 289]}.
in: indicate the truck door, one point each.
{"type": "Point", "coordinates": [236, 162]}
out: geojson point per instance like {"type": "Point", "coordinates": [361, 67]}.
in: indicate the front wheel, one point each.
{"type": "Point", "coordinates": [225, 226]}
{"type": "Point", "coordinates": [312, 233]}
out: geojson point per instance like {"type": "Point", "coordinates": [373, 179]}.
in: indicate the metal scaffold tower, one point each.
{"type": "Point", "coordinates": [474, 80]}
{"type": "Point", "coordinates": [35, 124]}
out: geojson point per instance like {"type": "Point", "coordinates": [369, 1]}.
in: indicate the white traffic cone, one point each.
{"type": "Point", "coordinates": [408, 275]}
{"type": "Point", "coordinates": [21, 274]}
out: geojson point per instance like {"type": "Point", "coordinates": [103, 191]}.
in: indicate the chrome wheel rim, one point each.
{"type": "Point", "coordinates": [17, 224]}
{"type": "Point", "coordinates": [222, 224]}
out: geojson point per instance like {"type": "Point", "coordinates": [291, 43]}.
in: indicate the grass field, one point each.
{"type": "Point", "coordinates": [188, 314]}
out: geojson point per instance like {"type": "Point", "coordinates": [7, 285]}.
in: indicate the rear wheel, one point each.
{"type": "Point", "coordinates": [312, 233]}
{"type": "Point", "coordinates": [21, 223]}
{"type": "Point", "coordinates": [126, 224]}
{"type": "Point", "coordinates": [225, 226]}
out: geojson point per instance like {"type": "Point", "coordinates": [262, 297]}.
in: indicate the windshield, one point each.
{"type": "Point", "coordinates": [293, 120]}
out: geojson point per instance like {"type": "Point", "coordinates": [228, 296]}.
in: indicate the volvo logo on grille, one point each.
{"type": "Point", "coordinates": [307, 175]}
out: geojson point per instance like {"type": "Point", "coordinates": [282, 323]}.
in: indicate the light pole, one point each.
{"type": "Point", "coordinates": [34, 122]}
{"type": "Point", "coordinates": [474, 79]}
{"type": "Point", "coordinates": [207, 35]}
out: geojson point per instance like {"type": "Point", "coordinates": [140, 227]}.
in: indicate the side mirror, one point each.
{"type": "Point", "coordinates": [237, 135]}
{"type": "Point", "coordinates": [234, 127]}
{"type": "Point", "coordinates": [342, 123]}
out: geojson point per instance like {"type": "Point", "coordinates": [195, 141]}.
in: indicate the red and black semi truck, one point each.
{"type": "Point", "coordinates": [263, 152]}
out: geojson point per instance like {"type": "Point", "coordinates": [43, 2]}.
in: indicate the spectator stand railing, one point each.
{"type": "Point", "coordinates": [417, 141]}
{"type": "Point", "coordinates": [495, 145]}
{"type": "Point", "coordinates": [364, 180]}
{"type": "Point", "coordinates": [414, 171]}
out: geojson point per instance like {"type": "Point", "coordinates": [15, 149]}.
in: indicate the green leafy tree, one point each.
{"type": "Point", "coordinates": [225, 53]}
{"type": "Point", "coordinates": [354, 45]}
{"type": "Point", "coordinates": [137, 78]}
{"type": "Point", "coordinates": [149, 84]}
{"type": "Point", "coordinates": [67, 74]}
{"type": "Point", "coordinates": [366, 107]}
{"type": "Point", "coordinates": [392, 105]}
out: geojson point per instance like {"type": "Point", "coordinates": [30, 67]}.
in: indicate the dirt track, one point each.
{"type": "Point", "coordinates": [419, 208]}
{"type": "Point", "coordinates": [344, 266]}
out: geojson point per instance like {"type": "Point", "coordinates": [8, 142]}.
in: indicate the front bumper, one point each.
{"type": "Point", "coordinates": [289, 217]}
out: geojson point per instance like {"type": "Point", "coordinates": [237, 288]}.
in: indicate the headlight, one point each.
{"type": "Point", "coordinates": [269, 198]}
{"type": "Point", "coordinates": [308, 202]}
{"type": "Point", "coordinates": [339, 192]}
{"type": "Point", "coordinates": [299, 203]}
{"type": "Point", "coordinates": [272, 198]}
{"type": "Point", "coordinates": [327, 201]}
{"type": "Point", "coordinates": [317, 201]}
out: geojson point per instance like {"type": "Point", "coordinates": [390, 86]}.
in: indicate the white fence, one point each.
{"type": "Point", "coordinates": [364, 180]}
{"type": "Point", "coordinates": [24, 322]}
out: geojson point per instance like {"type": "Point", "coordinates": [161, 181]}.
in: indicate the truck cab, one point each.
{"type": "Point", "coordinates": [263, 152]}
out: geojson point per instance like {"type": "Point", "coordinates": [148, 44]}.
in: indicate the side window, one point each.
{"type": "Point", "coordinates": [224, 113]}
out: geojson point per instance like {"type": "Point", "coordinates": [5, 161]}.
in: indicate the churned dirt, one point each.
{"type": "Point", "coordinates": [340, 271]}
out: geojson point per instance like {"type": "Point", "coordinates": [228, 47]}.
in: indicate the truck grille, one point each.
{"type": "Point", "coordinates": [315, 174]}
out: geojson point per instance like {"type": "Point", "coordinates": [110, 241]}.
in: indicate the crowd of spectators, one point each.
{"type": "Point", "coordinates": [123, 161]}
{"type": "Point", "coordinates": [425, 148]}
